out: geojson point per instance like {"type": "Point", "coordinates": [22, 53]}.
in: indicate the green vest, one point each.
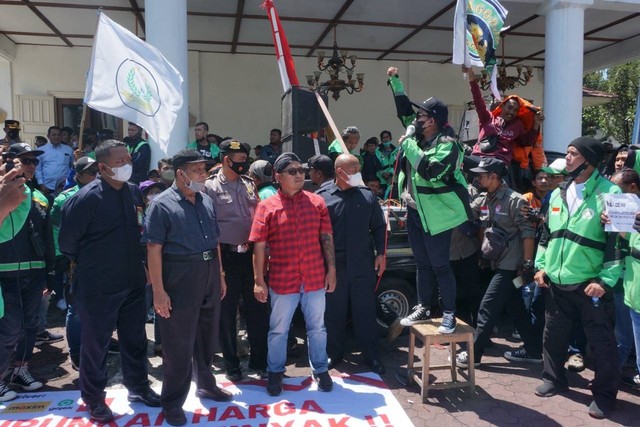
{"type": "Point", "coordinates": [56, 213]}
{"type": "Point", "coordinates": [388, 161]}
{"type": "Point", "coordinates": [133, 150]}
{"type": "Point", "coordinates": [442, 200]}
{"type": "Point", "coordinates": [574, 250]}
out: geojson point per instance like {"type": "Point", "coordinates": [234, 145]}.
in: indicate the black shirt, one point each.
{"type": "Point", "coordinates": [100, 230]}
{"type": "Point", "coordinates": [358, 226]}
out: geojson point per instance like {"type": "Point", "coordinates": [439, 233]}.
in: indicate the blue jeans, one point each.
{"type": "Point", "coordinates": [18, 327]}
{"type": "Point", "coordinates": [432, 262]}
{"type": "Point", "coordinates": [635, 322]}
{"type": "Point", "coordinates": [623, 328]}
{"type": "Point", "coordinates": [74, 330]}
{"type": "Point", "coordinates": [283, 306]}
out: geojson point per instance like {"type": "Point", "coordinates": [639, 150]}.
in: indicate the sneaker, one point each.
{"type": "Point", "coordinates": [233, 375]}
{"type": "Point", "coordinates": [6, 393]}
{"type": "Point", "coordinates": [21, 377]}
{"type": "Point", "coordinates": [48, 337]}
{"type": "Point", "coordinates": [419, 315]}
{"type": "Point", "coordinates": [516, 335]}
{"type": "Point", "coordinates": [548, 389]}
{"type": "Point", "coordinates": [632, 381]}
{"type": "Point", "coordinates": [75, 362]}
{"type": "Point", "coordinates": [462, 360]}
{"type": "Point", "coordinates": [114, 347]}
{"type": "Point", "coordinates": [575, 362]}
{"type": "Point", "coordinates": [448, 323]}
{"type": "Point", "coordinates": [598, 412]}
{"type": "Point", "coordinates": [324, 381]}
{"type": "Point", "coordinates": [62, 304]}
{"type": "Point", "coordinates": [521, 355]}
{"type": "Point", "coordinates": [274, 383]}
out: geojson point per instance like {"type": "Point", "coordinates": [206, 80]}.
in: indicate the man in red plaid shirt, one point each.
{"type": "Point", "coordinates": [295, 224]}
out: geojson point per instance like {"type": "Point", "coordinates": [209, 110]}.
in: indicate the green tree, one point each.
{"type": "Point", "coordinates": [615, 118]}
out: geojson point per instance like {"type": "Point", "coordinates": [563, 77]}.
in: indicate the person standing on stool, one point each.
{"type": "Point", "coordinates": [235, 198]}
{"type": "Point", "coordinates": [100, 233]}
{"type": "Point", "coordinates": [358, 224]}
{"type": "Point", "coordinates": [188, 283]}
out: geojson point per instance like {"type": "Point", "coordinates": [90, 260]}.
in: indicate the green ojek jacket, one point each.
{"type": "Point", "coordinates": [56, 213]}
{"type": "Point", "coordinates": [438, 186]}
{"type": "Point", "coordinates": [630, 250]}
{"type": "Point", "coordinates": [575, 248]}
{"type": "Point", "coordinates": [387, 160]}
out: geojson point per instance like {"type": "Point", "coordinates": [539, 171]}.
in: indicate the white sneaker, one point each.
{"type": "Point", "coordinates": [6, 393]}
{"type": "Point", "coordinates": [62, 304]}
{"type": "Point", "coordinates": [462, 360]}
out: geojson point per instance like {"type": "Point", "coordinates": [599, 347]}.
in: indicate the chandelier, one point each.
{"type": "Point", "coordinates": [334, 66]}
{"type": "Point", "coordinates": [506, 82]}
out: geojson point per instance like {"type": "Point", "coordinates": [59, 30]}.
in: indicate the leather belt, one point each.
{"type": "Point", "coordinates": [238, 249]}
{"type": "Point", "coordinates": [202, 256]}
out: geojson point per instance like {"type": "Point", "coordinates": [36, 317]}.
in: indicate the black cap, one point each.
{"type": "Point", "coordinates": [12, 124]}
{"type": "Point", "coordinates": [284, 160]}
{"type": "Point", "coordinates": [257, 146]}
{"type": "Point", "coordinates": [234, 146]}
{"type": "Point", "coordinates": [435, 109]}
{"type": "Point", "coordinates": [84, 163]}
{"type": "Point", "coordinates": [489, 165]}
{"type": "Point", "coordinates": [590, 148]}
{"type": "Point", "coordinates": [186, 156]}
{"type": "Point", "coordinates": [20, 149]}
{"type": "Point", "coordinates": [321, 163]}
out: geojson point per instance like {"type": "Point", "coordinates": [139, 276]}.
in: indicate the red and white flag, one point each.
{"type": "Point", "coordinates": [285, 61]}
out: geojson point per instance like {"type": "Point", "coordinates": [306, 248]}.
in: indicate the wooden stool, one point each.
{"type": "Point", "coordinates": [428, 334]}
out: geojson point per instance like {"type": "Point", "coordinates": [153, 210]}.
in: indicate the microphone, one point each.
{"type": "Point", "coordinates": [411, 129]}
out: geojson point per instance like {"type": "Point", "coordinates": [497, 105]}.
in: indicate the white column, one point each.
{"type": "Point", "coordinates": [166, 29]}
{"type": "Point", "coordinates": [563, 70]}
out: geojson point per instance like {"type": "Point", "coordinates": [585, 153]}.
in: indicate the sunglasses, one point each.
{"type": "Point", "coordinates": [294, 171]}
{"type": "Point", "coordinates": [28, 161]}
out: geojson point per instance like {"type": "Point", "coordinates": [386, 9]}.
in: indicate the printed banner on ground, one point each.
{"type": "Point", "coordinates": [357, 400]}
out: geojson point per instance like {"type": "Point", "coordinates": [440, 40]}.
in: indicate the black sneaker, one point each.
{"type": "Point", "coordinates": [274, 383]}
{"type": "Point", "coordinates": [632, 381]}
{"type": "Point", "coordinates": [233, 375]}
{"type": "Point", "coordinates": [420, 315]}
{"type": "Point", "coordinates": [548, 389]}
{"type": "Point", "coordinates": [21, 377]}
{"type": "Point", "coordinates": [325, 383]}
{"type": "Point", "coordinates": [74, 359]}
{"type": "Point", "coordinates": [448, 325]}
{"type": "Point", "coordinates": [521, 355]}
{"type": "Point", "coordinates": [6, 393]}
{"type": "Point", "coordinates": [47, 338]}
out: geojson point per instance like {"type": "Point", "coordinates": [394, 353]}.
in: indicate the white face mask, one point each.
{"type": "Point", "coordinates": [121, 173]}
{"type": "Point", "coordinates": [193, 185]}
{"type": "Point", "coordinates": [169, 175]}
{"type": "Point", "coordinates": [150, 197]}
{"type": "Point", "coordinates": [355, 180]}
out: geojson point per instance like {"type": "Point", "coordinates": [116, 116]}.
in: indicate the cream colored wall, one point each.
{"type": "Point", "coordinates": [239, 95]}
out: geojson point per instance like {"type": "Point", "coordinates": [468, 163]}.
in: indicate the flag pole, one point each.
{"type": "Point", "coordinates": [84, 113]}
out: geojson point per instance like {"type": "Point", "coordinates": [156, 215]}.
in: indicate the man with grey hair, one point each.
{"type": "Point", "coordinates": [351, 137]}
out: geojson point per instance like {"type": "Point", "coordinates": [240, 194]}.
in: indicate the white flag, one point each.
{"type": "Point", "coordinates": [131, 79]}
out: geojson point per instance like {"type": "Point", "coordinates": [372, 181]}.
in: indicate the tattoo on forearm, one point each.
{"type": "Point", "coordinates": [328, 250]}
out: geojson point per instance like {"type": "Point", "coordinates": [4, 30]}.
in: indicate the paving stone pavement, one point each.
{"type": "Point", "coordinates": [503, 395]}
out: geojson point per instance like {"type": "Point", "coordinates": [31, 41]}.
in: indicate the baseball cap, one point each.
{"type": "Point", "coordinates": [262, 169]}
{"type": "Point", "coordinates": [20, 149]}
{"type": "Point", "coordinates": [186, 156]}
{"type": "Point", "coordinates": [435, 109]}
{"type": "Point", "coordinates": [489, 165]}
{"type": "Point", "coordinates": [145, 186]}
{"type": "Point", "coordinates": [321, 163]}
{"type": "Point", "coordinates": [84, 163]}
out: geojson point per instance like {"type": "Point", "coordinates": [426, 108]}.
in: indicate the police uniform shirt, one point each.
{"type": "Point", "coordinates": [358, 226]}
{"type": "Point", "coordinates": [235, 203]}
{"type": "Point", "coordinates": [183, 228]}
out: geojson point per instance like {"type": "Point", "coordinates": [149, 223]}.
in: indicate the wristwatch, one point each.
{"type": "Point", "coordinates": [527, 264]}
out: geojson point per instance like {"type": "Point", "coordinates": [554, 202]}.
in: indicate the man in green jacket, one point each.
{"type": "Point", "coordinates": [576, 264]}
{"type": "Point", "coordinates": [351, 137]}
{"type": "Point", "coordinates": [431, 184]}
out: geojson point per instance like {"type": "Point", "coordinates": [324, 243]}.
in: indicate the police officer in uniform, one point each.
{"type": "Point", "coordinates": [183, 256]}
{"type": "Point", "coordinates": [235, 198]}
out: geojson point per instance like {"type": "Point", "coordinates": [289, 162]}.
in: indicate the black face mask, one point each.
{"type": "Point", "coordinates": [13, 134]}
{"type": "Point", "coordinates": [579, 170]}
{"type": "Point", "coordinates": [419, 129]}
{"type": "Point", "coordinates": [239, 167]}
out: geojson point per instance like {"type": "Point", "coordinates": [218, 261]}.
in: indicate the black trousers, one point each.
{"type": "Point", "coordinates": [190, 333]}
{"type": "Point", "coordinates": [360, 293]}
{"type": "Point", "coordinates": [239, 277]}
{"type": "Point", "coordinates": [502, 295]}
{"type": "Point", "coordinates": [469, 291]}
{"type": "Point", "coordinates": [99, 316]}
{"type": "Point", "coordinates": [562, 307]}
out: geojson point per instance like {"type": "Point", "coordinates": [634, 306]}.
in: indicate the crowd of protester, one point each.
{"type": "Point", "coordinates": [212, 230]}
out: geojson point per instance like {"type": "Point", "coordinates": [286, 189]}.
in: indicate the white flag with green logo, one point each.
{"type": "Point", "coordinates": [131, 79]}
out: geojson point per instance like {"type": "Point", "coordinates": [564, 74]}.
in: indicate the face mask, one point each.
{"type": "Point", "coordinates": [386, 144]}
{"type": "Point", "coordinates": [239, 167]}
{"type": "Point", "coordinates": [355, 180]}
{"type": "Point", "coordinates": [168, 175]}
{"type": "Point", "coordinates": [121, 173]}
{"type": "Point", "coordinates": [150, 197]}
{"type": "Point", "coordinates": [194, 186]}
{"type": "Point", "coordinates": [579, 170]}
{"type": "Point", "coordinates": [13, 134]}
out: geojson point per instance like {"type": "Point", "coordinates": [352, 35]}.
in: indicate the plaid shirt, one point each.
{"type": "Point", "coordinates": [291, 227]}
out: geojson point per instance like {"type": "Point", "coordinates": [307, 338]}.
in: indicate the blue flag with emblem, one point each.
{"type": "Point", "coordinates": [476, 35]}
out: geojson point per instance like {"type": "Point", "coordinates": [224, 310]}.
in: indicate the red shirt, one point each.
{"type": "Point", "coordinates": [291, 227]}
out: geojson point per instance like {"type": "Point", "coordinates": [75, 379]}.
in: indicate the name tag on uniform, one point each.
{"type": "Point", "coordinates": [555, 211]}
